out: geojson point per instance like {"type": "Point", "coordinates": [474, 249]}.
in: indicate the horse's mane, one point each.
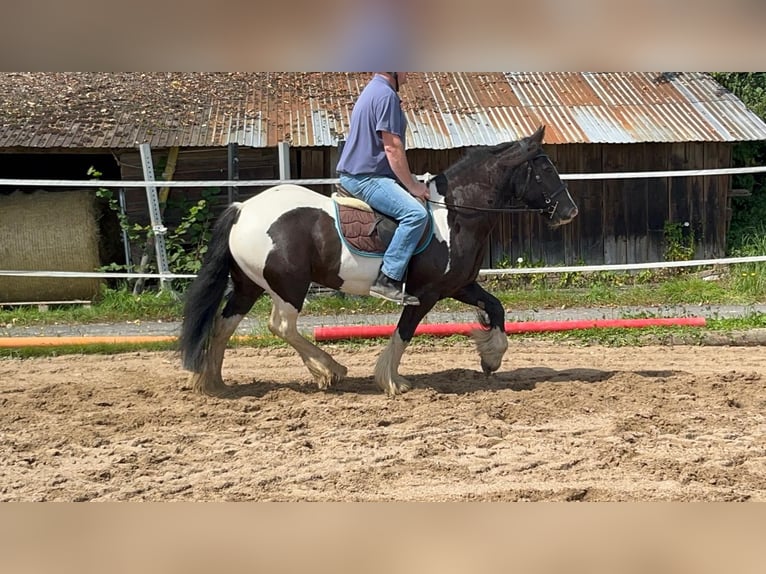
{"type": "Point", "coordinates": [514, 152]}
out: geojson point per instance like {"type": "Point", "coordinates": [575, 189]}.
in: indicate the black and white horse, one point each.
{"type": "Point", "coordinates": [285, 238]}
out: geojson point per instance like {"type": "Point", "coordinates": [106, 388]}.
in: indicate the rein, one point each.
{"type": "Point", "coordinates": [454, 206]}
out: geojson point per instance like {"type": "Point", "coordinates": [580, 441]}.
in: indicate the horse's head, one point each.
{"type": "Point", "coordinates": [529, 176]}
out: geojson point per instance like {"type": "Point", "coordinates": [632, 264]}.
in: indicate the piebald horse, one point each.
{"type": "Point", "coordinates": [283, 239]}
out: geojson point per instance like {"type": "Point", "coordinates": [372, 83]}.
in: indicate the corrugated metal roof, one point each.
{"type": "Point", "coordinates": [444, 110]}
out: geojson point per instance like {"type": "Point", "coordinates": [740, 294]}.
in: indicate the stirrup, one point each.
{"type": "Point", "coordinates": [394, 295]}
{"type": "Point", "coordinates": [413, 300]}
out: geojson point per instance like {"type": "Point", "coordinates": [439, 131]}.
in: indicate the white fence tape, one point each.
{"type": "Point", "coordinates": [623, 266]}
{"type": "Point", "coordinates": [94, 274]}
{"type": "Point", "coordinates": [327, 181]}
{"type": "Point", "coordinates": [482, 272]}
{"type": "Point", "coordinates": [81, 183]}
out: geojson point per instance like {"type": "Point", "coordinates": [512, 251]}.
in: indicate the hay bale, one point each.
{"type": "Point", "coordinates": [48, 231]}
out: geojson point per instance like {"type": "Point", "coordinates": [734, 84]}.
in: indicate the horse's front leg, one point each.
{"type": "Point", "coordinates": [492, 341]}
{"type": "Point", "coordinates": [387, 368]}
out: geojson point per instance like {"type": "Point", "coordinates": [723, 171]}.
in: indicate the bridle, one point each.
{"type": "Point", "coordinates": [551, 206]}
{"type": "Point", "coordinates": [549, 210]}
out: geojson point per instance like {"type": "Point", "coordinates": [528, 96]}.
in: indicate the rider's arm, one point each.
{"type": "Point", "coordinates": [397, 158]}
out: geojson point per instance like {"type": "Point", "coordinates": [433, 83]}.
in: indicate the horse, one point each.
{"type": "Point", "coordinates": [286, 237]}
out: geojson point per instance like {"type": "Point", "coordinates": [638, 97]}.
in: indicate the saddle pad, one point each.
{"type": "Point", "coordinates": [359, 228]}
{"type": "Point", "coordinates": [350, 202]}
{"type": "Point", "coordinates": [365, 231]}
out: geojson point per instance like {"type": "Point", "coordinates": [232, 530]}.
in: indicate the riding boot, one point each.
{"type": "Point", "coordinates": [391, 290]}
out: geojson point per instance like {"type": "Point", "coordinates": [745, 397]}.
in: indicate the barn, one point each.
{"type": "Point", "coordinates": [57, 125]}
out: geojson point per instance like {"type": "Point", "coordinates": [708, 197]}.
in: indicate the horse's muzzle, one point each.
{"type": "Point", "coordinates": [570, 214]}
{"type": "Point", "coordinates": [562, 216]}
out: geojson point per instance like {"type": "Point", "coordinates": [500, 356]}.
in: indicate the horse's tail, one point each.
{"type": "Point", "coordinates": [204, 296]}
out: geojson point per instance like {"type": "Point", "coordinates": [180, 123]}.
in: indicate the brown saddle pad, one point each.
{"type": "Point", "coordinates": [366, 230]}
{"type": "Point", "coordinates": [360, 228]}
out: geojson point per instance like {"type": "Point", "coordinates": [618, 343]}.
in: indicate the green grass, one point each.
{"type": "Point", "coordinates": [745, 285]}
{"type": "Point", "coordinates": [112, 306]}
{"type": "Point", "coordinates": [85, 349]}
{"type": "Point", "coordinates": [750, 278]}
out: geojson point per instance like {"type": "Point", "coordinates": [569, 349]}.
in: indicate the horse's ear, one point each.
{"type": "Point", "coordinates": [531, 145]}
{"type": "Point", "coordinates": [538, 136]}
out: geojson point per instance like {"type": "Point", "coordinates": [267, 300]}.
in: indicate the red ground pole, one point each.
{"type": "Point", "coordinates": [447, 329]}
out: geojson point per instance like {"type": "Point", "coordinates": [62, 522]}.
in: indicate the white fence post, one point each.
{"type": "Point", "coordinates": [284, 160]}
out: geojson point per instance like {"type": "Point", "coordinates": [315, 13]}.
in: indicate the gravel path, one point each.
{"type": "Point", "coordinates": [307, 322]}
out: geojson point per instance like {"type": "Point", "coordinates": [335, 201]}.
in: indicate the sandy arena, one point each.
{"type": "Point", "coordinates": [557, 422]}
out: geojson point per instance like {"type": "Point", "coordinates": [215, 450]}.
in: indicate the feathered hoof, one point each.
{"type": "Point", "coordinates": [326, 378]}
{"type": "Point", "coordinates": [394, 386]}
{"type": "Point", "coordinates": [488, 369]}
{"type": "Point", "coordinates": [210, 386]}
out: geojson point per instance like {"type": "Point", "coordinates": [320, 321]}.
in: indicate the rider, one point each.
{"type": "Point", "coordinates": [373, 167]}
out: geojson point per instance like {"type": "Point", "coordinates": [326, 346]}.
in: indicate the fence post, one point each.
{"type": "Point", "coordinates": [233, 171]}
{"type": "Point", "coordinates": [158, 228]}
{"type": "Point", "coordinates": [284, 160]}
{"type": "Point", "coordinates": [125, 238]}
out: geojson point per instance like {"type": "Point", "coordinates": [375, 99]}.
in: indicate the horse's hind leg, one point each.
{"type": "Point", "coordinates": [283, 323]}
{"type": "Point", "coordinates": [239, 302]}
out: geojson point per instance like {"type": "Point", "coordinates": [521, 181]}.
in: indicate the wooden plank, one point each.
{"type": "Point", "coordinates": [615, 227]}
{"type": "Point", "coordinates": [697, 199]}
{"type": "Point", "coordinates": [658, 200]}
{"type": "Point", "coordinates": [566, 162]}
{"type": "Point", "coordinates": [525, 241]}
{"type": "Point", "coordinates": [589, 196]}
{"type": "Point", "coordinates": [717, 192]}
{"type": "Point", "coordinates": [310, 163]}
{"type": "Point", "coordinates": [635, 205]}
{"type": "Point", "coordinates": [499, 241]}
{"type": "Point", "coordinates": [679, 186]}
{"type": "Point", "coordinates": [546, 244]}
{"type": "Point", "coordinates": [680, 212]}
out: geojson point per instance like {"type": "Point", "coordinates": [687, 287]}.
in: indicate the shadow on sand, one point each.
{"type": "Point", "coordinates": [450, 381]}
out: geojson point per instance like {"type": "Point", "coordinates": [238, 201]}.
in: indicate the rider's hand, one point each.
{"type": "Point", "coordinates": [420, 190]}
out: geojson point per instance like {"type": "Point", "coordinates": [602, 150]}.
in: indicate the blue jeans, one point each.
{"type": "Point", "coordinates": [387, 196]}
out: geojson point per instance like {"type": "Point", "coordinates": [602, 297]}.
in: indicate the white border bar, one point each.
{"type": "Point", "coordinates": [325, 181]}
{"type": "Point", "coordinates": [331, 180]}
{"type": "Point", "coordinates": [622, 266]}
{"type": "Point", "coordinates": [508, 271]}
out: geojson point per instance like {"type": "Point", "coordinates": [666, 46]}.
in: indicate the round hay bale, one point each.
{"type": "Point", "coordinates": [48, 231]}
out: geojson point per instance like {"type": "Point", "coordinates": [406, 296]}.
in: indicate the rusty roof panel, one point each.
{"type": "Point", "coordinates": [444, 109]}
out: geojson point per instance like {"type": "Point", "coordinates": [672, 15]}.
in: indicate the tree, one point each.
{"type": "Point", "coordinates": [748, 213]}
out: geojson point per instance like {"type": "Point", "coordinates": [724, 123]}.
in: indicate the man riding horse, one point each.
{"type": "Point", "coordinates": [373, 167]}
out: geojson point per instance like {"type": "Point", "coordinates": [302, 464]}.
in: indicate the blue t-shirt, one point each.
{"type": "Point", "coordinates": [378, 109]}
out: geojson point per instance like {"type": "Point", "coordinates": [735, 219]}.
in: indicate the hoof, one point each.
{"type": "Point", "coordinates": [488, 369]}
{"type": "Point", "coordinates": [339, 373]}
{"type": "Point", "coordinates": [326, 379]}
{"type": "Point", "coordinates": [210, 387]}
{"type": "Point", "coordinates": [394, 387]}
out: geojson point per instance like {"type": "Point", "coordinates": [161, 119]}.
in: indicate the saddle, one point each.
{"type": "Point", "coordinates": [366, 231]}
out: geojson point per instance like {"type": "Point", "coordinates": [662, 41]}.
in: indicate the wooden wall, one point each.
{"type": "Point", "coordinates": [623, 220]}
{"type": "Point", "coordinates": [620, 221]}
{"type": "Point", "coordinates": [212, 164]}
{"type": "Point", "coordinates": [193, 164]}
